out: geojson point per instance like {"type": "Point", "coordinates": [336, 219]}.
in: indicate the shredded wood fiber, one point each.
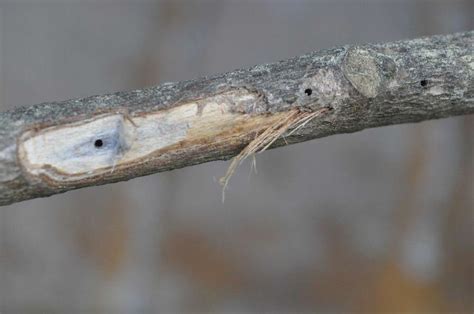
{"type": "Point", "coordinates": [295, 119]}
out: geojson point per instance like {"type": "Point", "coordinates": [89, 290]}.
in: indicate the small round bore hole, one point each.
{"type": "Point", "coordinates": [98, 143]}
{"type": "Point", "coordinates": [308, 91]}
{"type": "Point", "coordinates": [423, 83]}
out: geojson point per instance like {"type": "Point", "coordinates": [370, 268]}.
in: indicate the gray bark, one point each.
{"type": "Point", "coordinates": [361, 86]}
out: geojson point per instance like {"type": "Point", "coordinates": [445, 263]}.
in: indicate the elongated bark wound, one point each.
{"type": "Point", "coordinates": [295, 119]}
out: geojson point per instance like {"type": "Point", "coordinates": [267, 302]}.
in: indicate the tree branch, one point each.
{"type": "Point", "coordinates": [51, 148]}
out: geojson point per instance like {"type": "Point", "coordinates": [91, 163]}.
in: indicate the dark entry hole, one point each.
{"type": "Point", "coordinates": [308, 91]}
{"type": "Point", "coordinates": [98, 143]}
{"type": "Point", "coordinates": [423, 83]}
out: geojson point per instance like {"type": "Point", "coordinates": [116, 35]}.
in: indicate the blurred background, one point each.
{"type": "Point", "coordinates": [377, 221]}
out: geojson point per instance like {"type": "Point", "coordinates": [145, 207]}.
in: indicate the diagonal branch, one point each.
{"type": "Point", "coordinates": [51, 148]}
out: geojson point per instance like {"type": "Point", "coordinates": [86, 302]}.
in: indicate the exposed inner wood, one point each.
{"type": "Point", "coordinates": [87, 149]}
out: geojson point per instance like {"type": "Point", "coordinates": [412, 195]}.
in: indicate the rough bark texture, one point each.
{"type": "Point", "coordinates": [360, 87]}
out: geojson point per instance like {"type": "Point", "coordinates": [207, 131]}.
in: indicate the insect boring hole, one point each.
{"type": "Point", "coordinates": [98, 143]}
{"type": "Point", "coordinates": [308, 91]}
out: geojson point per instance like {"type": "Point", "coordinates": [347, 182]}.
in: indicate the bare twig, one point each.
{"type": "Point", "coordinates": [51, 148]}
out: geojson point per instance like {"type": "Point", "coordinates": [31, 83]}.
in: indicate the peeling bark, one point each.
{"type": "Point", "coordinates": [54, 147]}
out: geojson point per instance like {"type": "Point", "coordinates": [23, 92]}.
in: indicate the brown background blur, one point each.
{"type": "Point", "coordinates": [376, 221]}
